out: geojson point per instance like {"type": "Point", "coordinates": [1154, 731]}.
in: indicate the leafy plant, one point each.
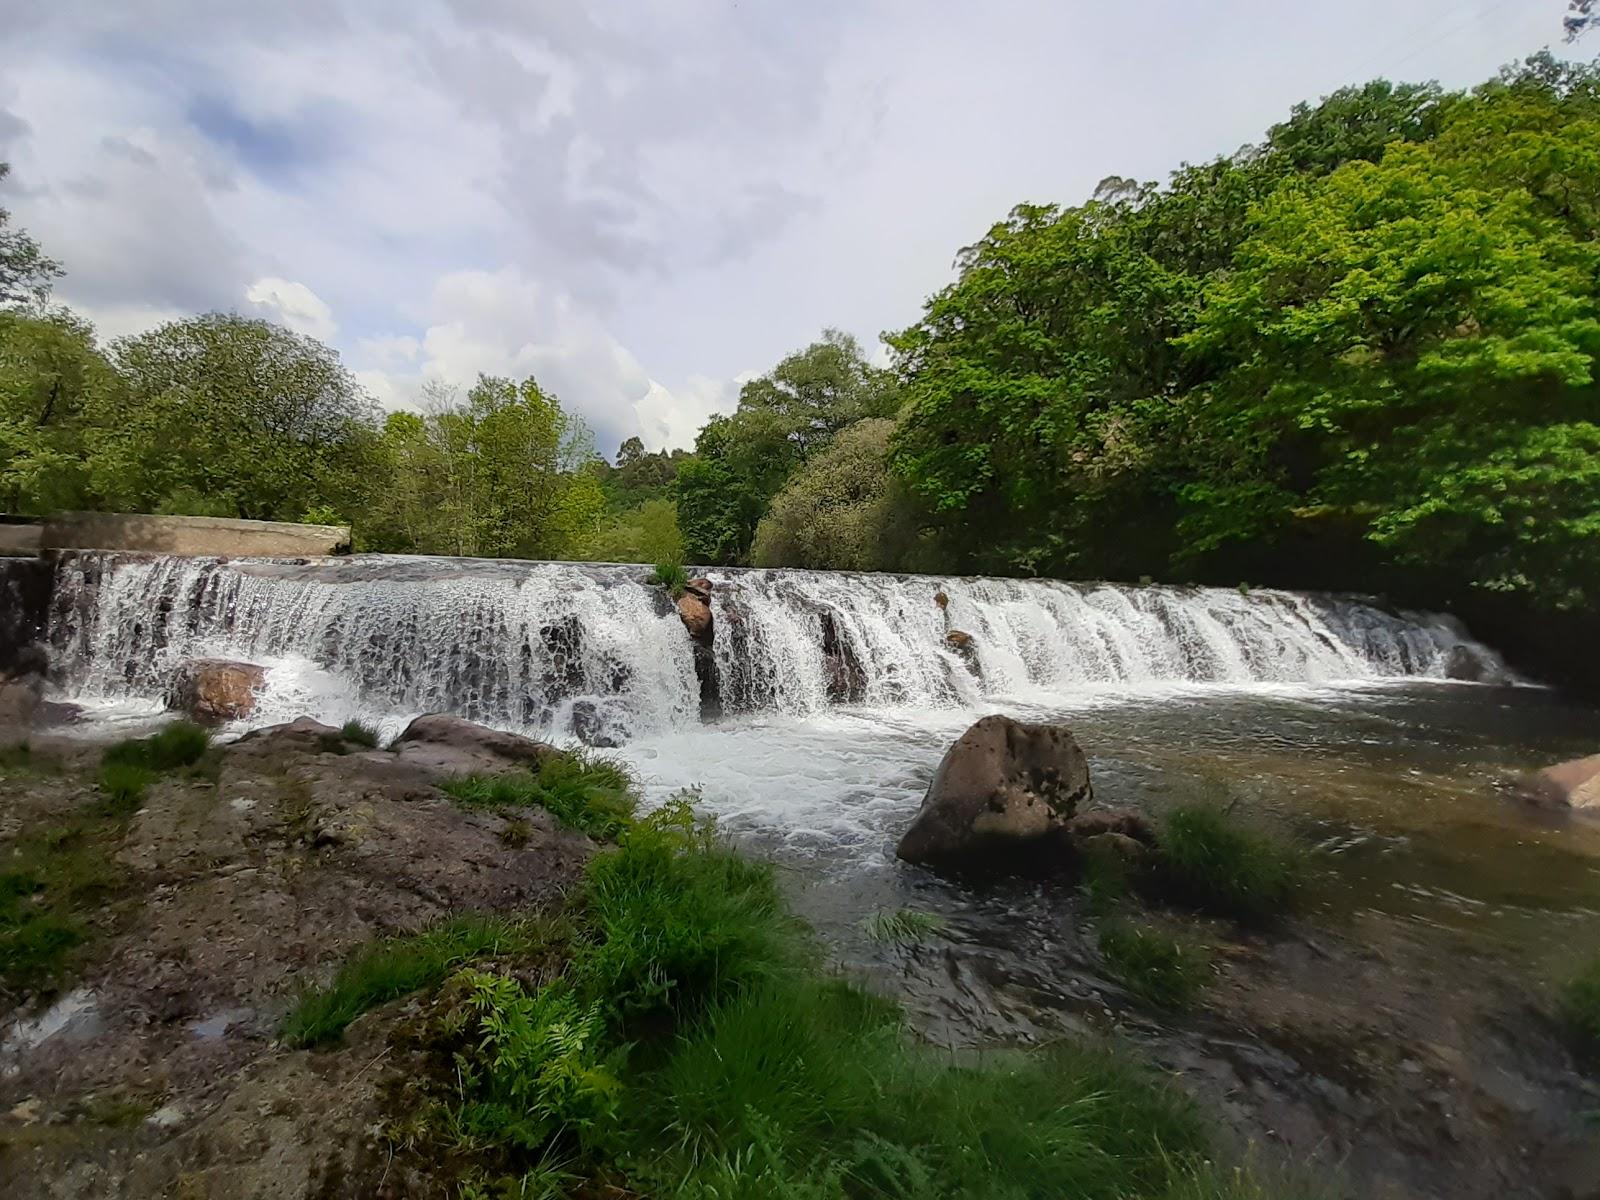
{"type": "Point", "coordinates": [396, 967]}
{"type": "Point", "coordinates": [672, 575]}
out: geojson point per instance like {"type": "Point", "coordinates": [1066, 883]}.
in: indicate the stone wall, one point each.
{"type": "Point", "coordinates": [20, 539]}
{"type": "Point", "coordinates": [219, 536]}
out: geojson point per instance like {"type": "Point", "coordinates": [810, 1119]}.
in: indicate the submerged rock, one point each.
{"type": "Point", "coordinates": [214, 691]}
{"type": "Point", "coordinates": [1001, 801]}
{"type": "Point", "coordinates": [1574, 784]}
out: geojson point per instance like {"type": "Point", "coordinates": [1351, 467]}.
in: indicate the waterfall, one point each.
{"type": "Point", "coordinates": [598, 652]}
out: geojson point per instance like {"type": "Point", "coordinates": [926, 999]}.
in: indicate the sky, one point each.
{"type": "Point", "coordinates": [640, 203]}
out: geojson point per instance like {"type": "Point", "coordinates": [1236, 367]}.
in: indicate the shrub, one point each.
{"type": "Point", "coordinates": [1207, 860]}
{"type": "Point", "coordinates": [361, 735]}
{"type": "Point", "coordinates": [1580, 1005]}
{"type": "Point", "coordinates": [588, 792]}
{"type": "Point", "coordinates": [179, 744]}
{"type": "Point", "coordinates": [395, 967]}
{"type": "Point", "coordinates": [672, 575]}
{"type": "Point", "coordinates": [1154, 965]}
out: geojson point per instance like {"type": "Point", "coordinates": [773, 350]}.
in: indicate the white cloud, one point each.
{"type": "Point", "coordinates": [294, 306]}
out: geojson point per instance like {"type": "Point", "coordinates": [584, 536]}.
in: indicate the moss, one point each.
{"type": "Point", "coordinates": [1580, 1007]}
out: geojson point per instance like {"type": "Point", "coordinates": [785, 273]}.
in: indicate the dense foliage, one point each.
{"type": "Point", "coordinates": [1357, 354]}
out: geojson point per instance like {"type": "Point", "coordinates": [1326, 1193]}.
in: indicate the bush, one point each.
{"type": "Point", "coordinates": [361, 735]}
{"type": "Point", "coordinates": [1153, 965]}
{"type": "Point", "coordinates": [672, 575]}
{"type": "Point", "coordinates": [395, 967]}
{"type": "Point", "coordinates": [1210, 862]}
{"type": "Point", "coordinates": [1580, 1005]}
{"type": "Point", "coordinates": [180, 744]}
{"type": "Point", "coordinates": [588, 792]}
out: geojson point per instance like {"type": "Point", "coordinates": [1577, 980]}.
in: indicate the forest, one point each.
{"type": "Point", "coordinates": [1358, 354]}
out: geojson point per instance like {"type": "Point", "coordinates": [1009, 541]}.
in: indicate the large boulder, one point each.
{"type": "Point", "coordinates": [1001, 801]}
{"type": "Point", "coordinates": [694, 608]}
{"type": "Point", "coordinates": [453, 745]}
{"type": "Point", "coordinates": [1567, 785]}
{"type": "Point", "coordinates": [213, 691]}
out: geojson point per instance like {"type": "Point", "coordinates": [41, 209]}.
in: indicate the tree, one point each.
{"type": "Point", "coordinates": [783, 418]}
{"type": "Point", "coordinates": [55, 386]}
{"type": "Point", "coordinates": [240, 416]}
{"type": "Point", "coordinates": [25, 273]}
{"type": "Point", "coordinates": [842, 509]}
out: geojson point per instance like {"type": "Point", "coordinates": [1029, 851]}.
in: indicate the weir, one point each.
{"type": "Point", "coordinates": [598, 651]}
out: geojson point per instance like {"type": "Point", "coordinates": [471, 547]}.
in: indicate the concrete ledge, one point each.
{"type": "Point", "coordinates": [21, 541]}
{"type": "Point", "coordinates": [222, 537]}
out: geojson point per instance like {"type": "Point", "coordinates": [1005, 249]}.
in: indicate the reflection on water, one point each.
{"type": "Point", "coordinates": [1394, 786]}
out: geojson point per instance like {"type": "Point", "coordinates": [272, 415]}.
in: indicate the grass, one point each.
{"type": "Point", "coordinates": [396, 967]}
{"type": "Point", "coordinates": [904, 926]}
{"type": "Point", "coordinates": [20, 758]}
{"type": "Point", "coordinates": [672, 575]}
{"type": "Point", "coordinates": [1213, 863]}
{"type": "Point", "coordinates": [1155, 966]}
{"type": "Point", "coordinates": [360, 734]}
{"type": "Point", "coordinates": [53, 882]}
{"type": "Point", "coordinates": [588, 792]}
{"type": "Point", "coordinates": [1580, 1006]}
{"type": "Point", "coordinates": [694, 1047]}
{"type": "Point", "coordinates": [180, 744]}
{"type": "Point", "coordinates": [123, 786]}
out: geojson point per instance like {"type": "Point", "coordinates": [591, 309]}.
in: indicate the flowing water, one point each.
{"type": "Point", "coordinates": [1331, 716]}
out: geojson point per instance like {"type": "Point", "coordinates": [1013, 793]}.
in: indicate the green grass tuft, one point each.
{"type": "Point", "coordinates": [180, 744]}
{"type": "Point", "coordinates": [123, 786]}
{"type": "Point", "coordinates": [360, 734]}
{"type": "Point", "coordinates": [906, 926]}
{"type": "Point", "coordinates": [1580, 1006]}
{"type": "Point", "coordinates": [396, 967]}
{"type": "Point", "coordinates": [1156, 966]}
{"type": "Point", "coordinates": [588, 792]}
{"type": "Point", "coordinates": [672, 575]}
{"type": "Point", "coordinates": [1213, 863]}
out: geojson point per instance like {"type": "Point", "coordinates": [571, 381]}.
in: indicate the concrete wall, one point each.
{"type": "Point", "coordinates": [220, 536]}
{"type": "Point", "coordinates": [20, 540]}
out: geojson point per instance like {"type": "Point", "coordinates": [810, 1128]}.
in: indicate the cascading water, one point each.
{"type": "Point", "coordinates": [599, 652]}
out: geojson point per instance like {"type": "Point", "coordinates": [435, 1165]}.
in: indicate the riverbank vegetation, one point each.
{"type": "Point", "coordinates": [1358, 353]}
{"type": "Point", "coordinates": [1580, 1004]}
{"type": "Point", "coordinates": [690, 1043]}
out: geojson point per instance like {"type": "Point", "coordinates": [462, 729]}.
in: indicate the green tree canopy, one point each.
{"type": "Point", "coordinates": [25, 272]}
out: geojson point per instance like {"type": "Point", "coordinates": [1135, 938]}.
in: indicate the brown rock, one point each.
{"type": "Point", "coordinates": [941, 600]}
{"type": "Point", "coordinates": [215, 690]}
{"type": "Point", "coordinates": [958, 640]}
{"type": "Point", "coordinates": [699, 587]}
{"type": "Point", "coordinates": [448, 743]}
{"type": "Point", "coordinates": [1001, 799]}
{"type": "Point", "coordinates": [1574, 784]}
{"type": "Point", "coordinates": [19, 702]}
{"type": "Point", "coordinates": [695, 611]}
{"type": "Point", "coordinates": [1124, 822]}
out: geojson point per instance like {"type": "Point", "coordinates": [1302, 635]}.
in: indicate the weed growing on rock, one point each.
{"type": "Point", "coordinates": [672, 575]}
{"type": "Point", "coordinates": [1580, 1005]}
{"type": "Point", "coordinates": [906, 926]}
{"type": "Point", "coordinates": [396, 967]}
{"type": "Point", "coordinates": [361, 735]}
{"type": "Point", "coordinates": [588, 792]}
{"type": "Point", "coordinates": [1156, 966]}
{"type": "Point", "coordinates": [123, 786]}
{"type": "Point", "coordinates": [179, 744]}
{"type": "Point", "coordinates": [1213, 863]}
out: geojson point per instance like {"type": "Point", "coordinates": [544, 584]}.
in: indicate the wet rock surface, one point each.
{"type": "Point", "coordinates": [214, 691]}
{"type": "Point", "coordinates": [242, 883]}
{"type": "Point", "coordinates": [1000, 799]}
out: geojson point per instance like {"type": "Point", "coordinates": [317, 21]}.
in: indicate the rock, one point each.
{"type": "Point", "coordinates": [959, 641]}
{"type": "Point", "coordinates": [1001, 800]}
{"type": "Point", "coordinates": [695, 612]}
{"type": "Point", "coordinates": [213, 691]}
{"type": "Point", "coordinates": [1471, 666]}
{"type": "Point", "coordinates": [700, 588]}
{"type": "Point", "coordinates": [1574, 785]}
{"type": "Point", "coordinates": [846, 677]}
{"type": "Point", "coordinates": [451, 743]}
{"type": "Point", "coordinates": [19, 703]}
{"type": "Point", "coordinates": [941, 600]}
{"type": "Point", "coordinates": [1122, 822]}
